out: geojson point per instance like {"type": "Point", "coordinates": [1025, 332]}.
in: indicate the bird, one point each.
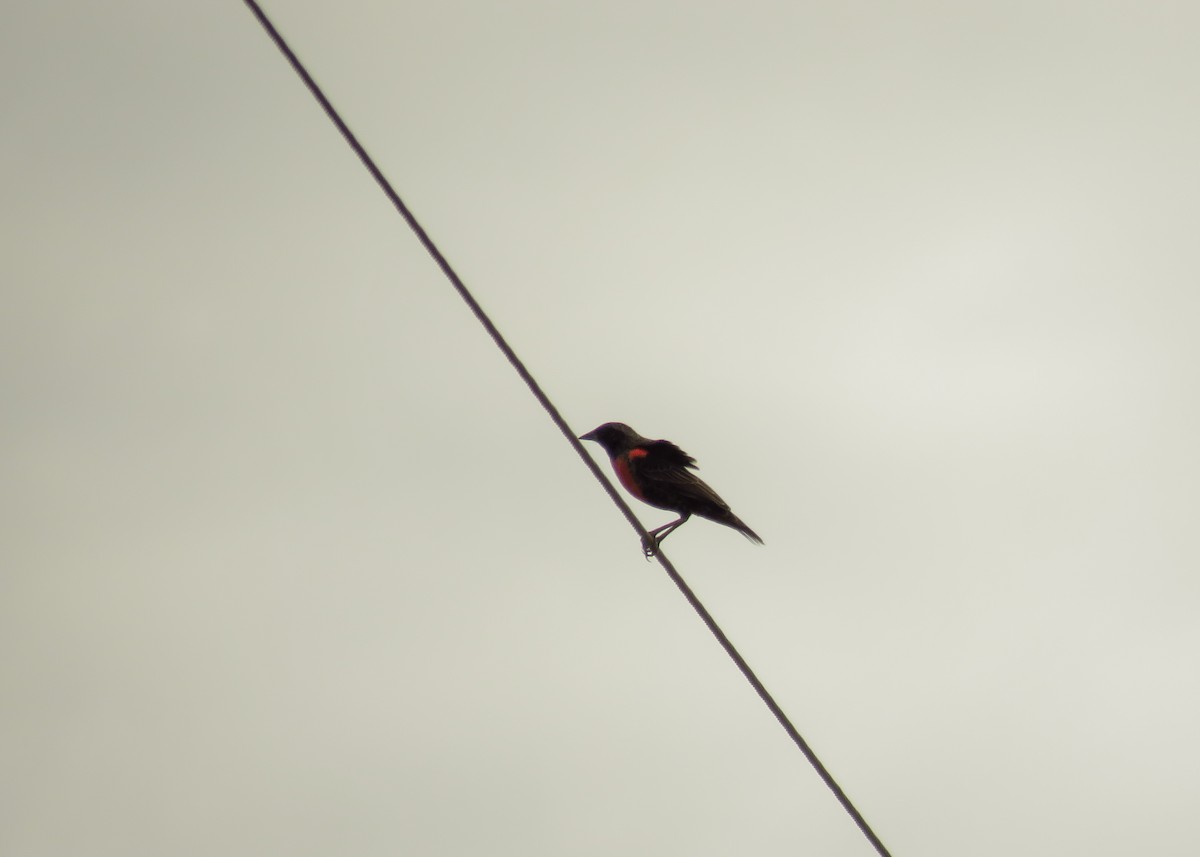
{"type": "Point", "coordinates": [659, 473]}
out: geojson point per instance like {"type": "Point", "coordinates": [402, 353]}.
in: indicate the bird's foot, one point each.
{"type": "Point", "coordinates": [649, 546]}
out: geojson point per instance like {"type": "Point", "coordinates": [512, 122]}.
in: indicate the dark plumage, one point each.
{"type": "Point", "coordinates": [660, 473]}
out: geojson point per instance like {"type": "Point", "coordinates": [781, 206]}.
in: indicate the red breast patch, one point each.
{"type": "Point", "coordinates": [625, 472]}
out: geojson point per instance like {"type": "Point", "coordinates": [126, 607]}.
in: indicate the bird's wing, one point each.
{"type": "Point", "coordinates": [666, 464]}
{"type": "Point", "coordinates": [663, 455]}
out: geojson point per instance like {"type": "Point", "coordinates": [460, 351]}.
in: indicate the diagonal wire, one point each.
{"type": "Point", "coordinates": [557, 417]}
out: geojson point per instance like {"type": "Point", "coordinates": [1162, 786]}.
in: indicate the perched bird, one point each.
{"type": "Point", "coordinates": [660, 473]}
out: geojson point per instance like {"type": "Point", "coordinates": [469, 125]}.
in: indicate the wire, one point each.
{"type": "Point", "coordinates": [557, 417]}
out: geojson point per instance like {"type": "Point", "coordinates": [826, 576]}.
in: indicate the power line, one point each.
{"type": "Point", "coordinates": [557, 417]}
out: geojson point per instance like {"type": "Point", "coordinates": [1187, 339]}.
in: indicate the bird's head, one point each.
{"type": "Point", "coordinates": [614, 437]}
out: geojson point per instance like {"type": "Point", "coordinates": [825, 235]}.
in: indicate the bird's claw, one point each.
{"type": "Point", "coordinates": [649, 546]}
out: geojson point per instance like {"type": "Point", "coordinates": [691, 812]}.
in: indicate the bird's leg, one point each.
{"type": "Point", "coordinates": [654, 538]}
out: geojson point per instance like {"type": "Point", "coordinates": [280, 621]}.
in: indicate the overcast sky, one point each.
{"type": "Point", "coordinates": [291, 563]}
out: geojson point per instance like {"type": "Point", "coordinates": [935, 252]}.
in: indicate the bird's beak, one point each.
{"type": "Point", "coordinates": [589, 436]}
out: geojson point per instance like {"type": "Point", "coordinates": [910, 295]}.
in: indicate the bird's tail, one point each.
{"type": "Point", "coordinates": [734, 521]}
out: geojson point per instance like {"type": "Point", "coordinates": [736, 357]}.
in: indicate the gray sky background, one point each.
{"type": "Point", "coordinates": [293, 564]}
